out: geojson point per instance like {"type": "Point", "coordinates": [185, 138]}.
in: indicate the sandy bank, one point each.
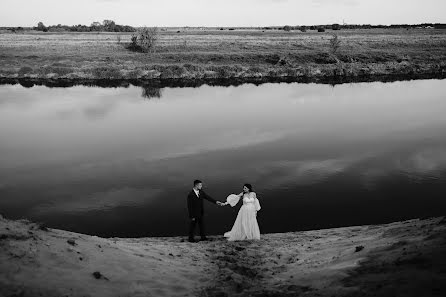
{"type": "Point", "coordinates": [398, 259]}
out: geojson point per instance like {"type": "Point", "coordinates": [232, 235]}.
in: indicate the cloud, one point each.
{"type": "Point", "coordinates": [370, 168]}
{"type": "Point", "coordinates": [428, 161]}
{"type": "Point", "coordinates": [304, 172]}
{"type": "Point", "coordinates": [103, 201]}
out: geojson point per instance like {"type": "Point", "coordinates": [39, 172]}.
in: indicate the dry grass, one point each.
{"type": "Point", "coordinates": [218, 53]}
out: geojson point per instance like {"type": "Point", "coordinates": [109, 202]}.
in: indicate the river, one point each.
{"type": "Point", "coordinates": [120, 161]}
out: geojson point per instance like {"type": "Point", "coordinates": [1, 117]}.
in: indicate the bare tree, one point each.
{"type": "Point", "coordinates": [144, 39]}
{"type": "Point", "coordinates": [335, 43]}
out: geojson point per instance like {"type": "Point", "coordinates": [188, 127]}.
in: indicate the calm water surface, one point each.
{"type": "Point", "coordinates": [120, 161]}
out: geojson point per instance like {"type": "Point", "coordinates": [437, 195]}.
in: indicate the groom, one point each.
{"type": "Point", "coordinates": [196, 209]}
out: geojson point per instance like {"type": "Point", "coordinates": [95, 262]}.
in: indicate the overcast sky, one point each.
{"type": "Point", "coordinates": [220, 12]}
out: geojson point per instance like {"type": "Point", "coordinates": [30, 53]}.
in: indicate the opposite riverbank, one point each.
{"type": "Point", "coordinates": [185, 56]}
{"type": "Point", "coordinates": [397, 259]}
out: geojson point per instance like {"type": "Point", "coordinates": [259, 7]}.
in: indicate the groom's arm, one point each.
{"type": "Point", "coordinates": [209, 198]}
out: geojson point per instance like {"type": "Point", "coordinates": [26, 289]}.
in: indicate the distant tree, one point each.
{"type": "Point", "coordinates": [286, 28]}
{"type": "Point", "coordinates": [96, 26]}
{"type": "Point", "coordinates": [58, 28]}
{"type": "Point", "coordinates": [336, 27]}
{"type": "Point", "coordinates": [321, 29]}
{"type": "Point", "coordinates": [109, 25]}
{"type": "Point", "coordinates": [303, 28]}
{"type": "Point", "coordinates": [41, 27]}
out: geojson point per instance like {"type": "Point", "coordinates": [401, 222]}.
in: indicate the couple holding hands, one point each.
{"type": "Point", "coordinates": [245, 226]}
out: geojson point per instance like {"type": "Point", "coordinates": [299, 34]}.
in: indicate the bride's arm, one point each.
{"type": "Point", "coordinates": [256, 202]}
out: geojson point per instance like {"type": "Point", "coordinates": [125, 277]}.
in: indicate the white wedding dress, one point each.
{"type": "Point", "coordinates": [245, 225]}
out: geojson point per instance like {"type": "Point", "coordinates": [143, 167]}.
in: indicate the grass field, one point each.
{"type": "Point", "coordinates": [214, 54]}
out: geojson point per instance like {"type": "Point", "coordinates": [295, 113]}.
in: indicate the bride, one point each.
{"type": "Point", "coordinates": [245, 225]}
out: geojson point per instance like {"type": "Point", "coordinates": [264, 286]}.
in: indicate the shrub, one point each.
{"type": "Point", "coordinates": [272, 59]}
{"type": "Point", "coordinates": [135, 73]}
{"type": "Point", "coordinates": [167, 72]}
{"type": "Point", "coordinates": [55, 69]}
{"type": "Point", "coordinates": [324, 58]}
{"type": "Point", "coordinates": [106, 73]}
{"type": "Point", "coordinates": [177, 70]}
{"type": "Point", "coordinates": [286, 28]}
{"type": "Point", "coordinates": [25, 70]}
{"type": "Point", "coordinates": [335, 43]}
{"type": "Point", "coordinates": [144, 40]}
{"type": "Point", "coordinates": [134, 41]}
{"type": "Point", "coordinates": [191, 67]}
{"type": "Point", "coordinates": [222, 71]}
{"type": "Point", "coordinates": [321, 29]}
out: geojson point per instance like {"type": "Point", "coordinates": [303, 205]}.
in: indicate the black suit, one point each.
{"type": "Point", "coordinates": [196, 211]}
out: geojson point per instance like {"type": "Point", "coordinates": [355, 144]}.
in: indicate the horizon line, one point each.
{"type": "Point", "coordinates": [251, 26]}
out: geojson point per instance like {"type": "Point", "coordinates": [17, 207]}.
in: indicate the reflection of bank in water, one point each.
{"type": "Point", "coordinates": [198, 82]}
{"type": "Point", "coordinates": [150, 92]}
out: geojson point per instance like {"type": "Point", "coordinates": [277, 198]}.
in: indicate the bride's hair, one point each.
{"type": "Point", "coordinates": [249, 186]}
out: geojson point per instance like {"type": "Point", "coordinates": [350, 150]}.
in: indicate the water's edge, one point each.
{"type": "Point", "coordinates": [192, 82]}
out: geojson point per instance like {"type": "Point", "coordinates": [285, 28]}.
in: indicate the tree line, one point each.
{"type": "Point", "coordinates": [105, 26]}
{"type": "Point", "coordinates": [111, 26]}
{"type": "Point", "coordinates": [353, 26]}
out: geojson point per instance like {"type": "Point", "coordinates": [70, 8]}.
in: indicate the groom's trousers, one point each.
{"type": "Point", "coordinates": [192, 225]}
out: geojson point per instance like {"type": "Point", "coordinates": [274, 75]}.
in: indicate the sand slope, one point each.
{"type": "Point", "coordinates": [398, 259]}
